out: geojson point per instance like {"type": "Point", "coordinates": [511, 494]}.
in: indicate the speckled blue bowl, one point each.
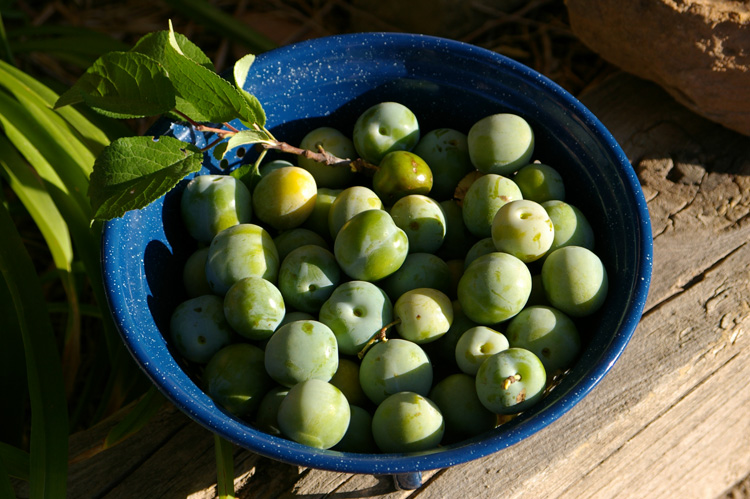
{"type": "Point", "coordinates": [329, 81]}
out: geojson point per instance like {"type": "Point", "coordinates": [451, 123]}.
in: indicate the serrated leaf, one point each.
{"type": "Point", "coordinates": [123, 85]}
{"type": "Point", "coordinates": [132, 172]}
{"type": "Point", "coordinates": [202, 94]}
{"type": "Point", "coordinates": [154, 44]}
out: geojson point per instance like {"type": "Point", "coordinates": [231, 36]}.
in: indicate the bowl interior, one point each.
{"type": "Point", "coordinates": [329, 82]}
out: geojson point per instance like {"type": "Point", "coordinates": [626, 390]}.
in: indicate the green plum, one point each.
{"type": "Point", "coordinates": [423, 221]}
{"type": "Point", "coordinates": [407, 422]}
{"type": "Point", "coordinates": [254, 307]}
{"type": "Point", "coordinates": [511, 381]}
{"type": "Point", "coordinates": [199, 329]}
{"type": "Point", "coordinates": [500, 143]}
{"type": "Point", "coordinates": [464, 415]}
{"type": "Point", "coordinates": [399, 174]}
{"type": "Point", "coordinates": [394, 366]}
{"type": "Point", "coordinates": [284, 198]}
{"type": "Point", "coordinates": [575, 280]}
{"type": "Point", "coordinates": [539, 182]}
{"type": "Point", "coordinates": [211, 203]}
{"type": "Point", "coordinates": [240, 251]}
{"type": "Point", "coordinates": [547, 332]}
{"type": "Point", "coordinates": [447, 152]}
{"type": "Point", "coordinates": [483, 199]}
{"type": "Point", "coordinates": [318, 219]}
{"type": "Point", "coordinates": [358, 436]}
{"type": "Point", "coordinates": [236, 378]}
{"type": "Point", "coordinates": [419, 270]}
{"type": "Point", "coordinates": [476, 345]}
{"type": "Point", "coordinates": [292, 239]}
{"type": "Point", "coordinates": [266, 416]}
{"type": "Point", "coordinates": [346, 379]}
{"type": "Point", "coordinates": [194, 274]}
{"type": "Point", "coordinates": [333, 142]}
{"type": "Point", "coordinates": [307, 277]}
{"type": "Point", "coordinates": [348, 203]}
{"type": "Point", "coordinates": [370, 247]}
{"type": "Point", "coordinates": [301, 350]}
{"type": "Point", "coordinates": [524, 229]}
{"type": "Point", "coordinates": [423, 315]}
{"type": "Point", "coordinates": [572, 228]}
{"type": "Point", "coordinates": [314, 413]}
{"type": "Point", "coordinates": [385, 127]}
{"type": "Point", "coordinates": [494, 288]}
{"type": "Point", "coordinates": [356, 311]}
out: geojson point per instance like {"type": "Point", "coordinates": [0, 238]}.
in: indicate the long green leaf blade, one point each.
{"type": "Point", "coordinates": [41, 150]}
{"type": "Point", "coordinates": [132, 172]}
{"type": "Point", "coordinates": [49, 416]}
{"type": "Point", "coordinates": [16, 461]}
{"type": "Point", "coordinates": [91, 135]}
{"type": "Point", "coordinates": [224, 467]}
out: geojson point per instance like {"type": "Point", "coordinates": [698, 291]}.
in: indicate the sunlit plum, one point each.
{"type": "Point", "coordinates": [334, 142]}
{"type": "Point", "coordinates": [240, 251]}
{"type": "Point", "coordinates": [500, 143]}
{"type": "Point", "coordinates": [385, 127]}
{"type": "Point", "coordinates": [211, 203]}
{"type": "Point", "coordinates": [285, 197]}
{"type": "Point", "coordinates": [370, 247]}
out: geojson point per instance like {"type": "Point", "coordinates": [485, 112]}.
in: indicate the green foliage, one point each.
{"type": "Point", "coordinates": [163, 73]}
{"type": "Point", "coordinates": [133, 171]}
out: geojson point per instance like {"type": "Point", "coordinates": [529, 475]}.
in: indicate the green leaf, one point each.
{"type": "Point", "coordinates": [247, 137]}
{"type": "Point", "coordinates": [136, 419]}
{"type": "Point", "coordinates": [241, 69]}
{"type": "Point", "coordinates": [49, 414]}
{"type": "Point", "coordinates": [15, 460]}
{"type": "Point", "coordinates": [224, 467]}
{"type": "Point", "coordinates": [132, 172]}
{"type": "Point", "coordinates": [91, 135]}
{"type": "Point", "coordinates": [123, 85]}
{"type": "Point", "coordinates": [202, 95]}
{"type": "Point", "coordinates": [155, 45]}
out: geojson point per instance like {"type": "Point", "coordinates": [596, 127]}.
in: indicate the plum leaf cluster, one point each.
{"type": "Point", "coordinates": [163, 74]}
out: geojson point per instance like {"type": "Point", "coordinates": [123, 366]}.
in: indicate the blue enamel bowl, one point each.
{"type": "Point", "coordinates": [330, 81]}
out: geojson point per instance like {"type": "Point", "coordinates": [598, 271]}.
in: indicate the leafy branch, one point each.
{"type": "Point", "coordinates": [166, 74]}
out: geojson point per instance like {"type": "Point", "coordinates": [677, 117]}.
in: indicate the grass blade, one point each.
{"type": "Point", "coordinates": [13, 373]}
{"type": "Point", "coordinates": [35, 197]}
{"type": "Point", "coordinates": [95, 131]}
{"type": "Point", "coordinates": [15, 461]}
{"type": "Point", "coordinates": [221, 22]}
{"type": "Point", "coordinates": [49, 415]}
{"type": "Point", "coordinates": [224, 467]}
{"type": "Point", "coordinates": [7, 54]}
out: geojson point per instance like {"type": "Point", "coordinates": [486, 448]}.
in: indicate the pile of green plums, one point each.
{"type": "Point", "coordinates": [419, 303]}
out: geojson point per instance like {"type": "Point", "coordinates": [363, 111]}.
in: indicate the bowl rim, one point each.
{"type": "Point", "coordinates": [290, 452]}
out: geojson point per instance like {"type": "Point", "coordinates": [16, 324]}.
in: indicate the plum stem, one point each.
{"type": "Point", "coordinates": [379, 336]}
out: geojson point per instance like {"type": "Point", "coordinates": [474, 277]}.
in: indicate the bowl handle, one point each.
{"type": "Point", "coordinates": [408, 481]}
